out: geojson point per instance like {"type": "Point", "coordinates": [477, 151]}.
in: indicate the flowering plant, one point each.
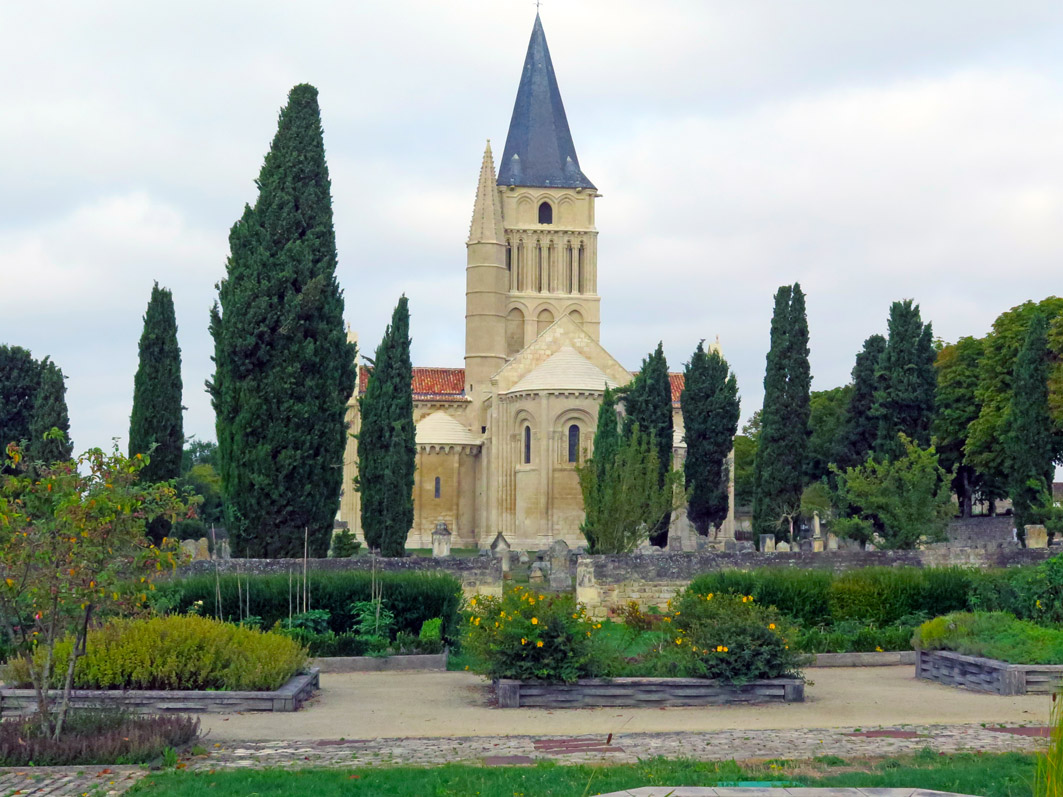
{"type": "Point", "coordinates": [530, 636]}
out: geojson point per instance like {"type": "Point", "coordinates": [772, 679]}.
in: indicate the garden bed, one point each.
{"type": "Point", "coordinates": [987, 675]}
{"type": "Point", "coordinates": [417, 661]}
{"type": "Point", "coordinates": [654, 692]}
{"type": "Point", "coordinates": [289, 697]}
{"type": "Point", "coordinates": [883, 658]}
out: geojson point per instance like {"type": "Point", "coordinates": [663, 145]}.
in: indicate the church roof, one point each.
{"type": "Point", "coordinates": [565, 370]}
{"type": "Point", "coordinates": [486, 224]}
{"type": "Point", "coordinates": [440, 429]}
{"type": "Point", "coordinates": [440, 384]}
{"type": "Point", "coordinates": [539, 150]}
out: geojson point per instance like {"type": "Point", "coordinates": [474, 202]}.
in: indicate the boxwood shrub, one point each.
{"type": "Point", "coordinates": [412, 598]}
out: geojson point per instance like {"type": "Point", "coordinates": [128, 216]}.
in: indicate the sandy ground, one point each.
{"type": "Point", "coordinates": [417, 704]}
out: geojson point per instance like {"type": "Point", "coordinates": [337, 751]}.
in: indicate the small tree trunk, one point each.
{"type": "Point", "coordinates": [68, 683]}
{"type": "Point", "coordinates": [967, 495]}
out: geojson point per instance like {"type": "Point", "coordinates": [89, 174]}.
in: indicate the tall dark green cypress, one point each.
{"type": "Point", "coordinates": [648, 403]}
{"type": "Point", "coordinates": [158, 417]}
{"type": "Point", "coordinates": [284, 368]}
{"type": "Point", "coordinates": [779, 468]}
{"type": "Point", "coordinates": [606, 445]}
{"type": "Point", "coordinates": [710, 421]}
{"type": "Point", "coordinates": [1028, 439]}
{"type": "Point", "coordinates": [861, 429]}
{"type": "Point", "coordinates": [20, 376]}
{"type": "Point", "coordinates": [905, 382]}
{"type": "Point", "coordinates": [387, 449]}
{"type": "Point", "coordinates": [50, 412]}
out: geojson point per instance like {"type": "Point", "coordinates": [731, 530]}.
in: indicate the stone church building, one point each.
{"type": "Point", "coordinates": [498, 441]}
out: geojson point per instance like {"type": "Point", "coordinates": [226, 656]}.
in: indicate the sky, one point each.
{"type": "Point", "coordinates": [870, 151]}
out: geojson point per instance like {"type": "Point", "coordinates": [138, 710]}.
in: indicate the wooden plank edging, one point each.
{"type": "Point", "coordinates": [646, 691]}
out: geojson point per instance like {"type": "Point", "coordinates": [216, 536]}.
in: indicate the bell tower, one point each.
{"type": "Point", "coordinates": [551, 244]}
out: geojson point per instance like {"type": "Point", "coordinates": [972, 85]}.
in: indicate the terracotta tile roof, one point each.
{"type": "Point", "coordinates": [677, 381]}
{"type": "Point", "coordinates": [445, 384]}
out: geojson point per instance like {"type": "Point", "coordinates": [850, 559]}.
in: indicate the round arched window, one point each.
{"type": "Point", "coordinates": [546, 213]}
{"type": "Point", "coordinates": [527, 445]}
{"type": "Point", "coordinates": [573, 443]}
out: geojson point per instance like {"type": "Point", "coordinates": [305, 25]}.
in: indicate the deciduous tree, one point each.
{"type": "Point", "coordinates": [956, 408]}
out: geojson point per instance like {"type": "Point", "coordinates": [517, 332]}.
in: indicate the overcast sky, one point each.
{"type": "Point", "coordinates": [870, 150]}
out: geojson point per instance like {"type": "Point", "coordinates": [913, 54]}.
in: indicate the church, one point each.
{"type": "Point", "coordinates": [498, 441]}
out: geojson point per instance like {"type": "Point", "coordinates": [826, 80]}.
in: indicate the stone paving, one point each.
{"type": "Point", "coordinates": [741, 745]}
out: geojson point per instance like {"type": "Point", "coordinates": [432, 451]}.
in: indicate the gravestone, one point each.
{"type": "Point", "coordinates": [783, 547]}
{"type": "Point", "coordinates": [1036, 537]}
{"type": "Point", "coordinates": [560, 574]}
{"type": "Point", "coordinates": [538, 573]}
{"type": "Point", "coordinates": [500, 544]}
{"type": "Point", "coordinates": [188, 549]}
{"type": "Point", "coordinates": [524, 558]}
{"type": "Point", "coordinates": [221, 550]}
{"type": "Point", "coordinates": [767, 543]}
{"type": "Point", "coordinates": [441, 541]}
{"type": "Point", "coordinates": [832, 541]}
{"type": "Point", "coordinates": [817, 545]}
{"type": "Point", "coordinates": [805, 545]}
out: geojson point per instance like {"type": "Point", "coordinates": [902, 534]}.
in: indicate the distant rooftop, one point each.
{"type": "Point", "coordinates": [539, 150]}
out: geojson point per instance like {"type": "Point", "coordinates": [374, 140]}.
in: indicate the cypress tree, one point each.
{"type": "Point", "coordinates": [606, 445]}
{"type": "Point", "coordinates": [1028, 439]}
{"type": "Point", "coordinates": [50, 412]}
{"type": "Point", "coordinates": [648, 404]}
{"type": "Point", "coordinates": [284, 368]}
{"type": "Point", "coordinates": [710, 418]}
{"type": "Point", "coordinates": [779, 467]}
{"type": "Point", "coordinates": [20, 376]}
{"type": "Point", "coordinates": [861, 429]}
{"type": "Point", "coordinates": [905, 382]}
{"type": "Point", "coordinates": [157, 418]}
{"type": "Point", "coordinates": [386, 447]}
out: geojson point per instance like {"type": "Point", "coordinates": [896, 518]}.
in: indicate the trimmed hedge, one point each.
{"type": "Point", "coordinates": [412, 597]}
{"type": "Point", "coordinates": [992, 635]}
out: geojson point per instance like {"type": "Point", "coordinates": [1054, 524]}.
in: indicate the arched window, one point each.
{"type": "Point", "coordinates": [546, 213]}
{"type": "Point", "coordinates": [573, 443]}
{"type": "Point", "coordinates": [514, 332]}
{"type": "Point", "coordinates": [543, 321]}
{"type": "Point", "coordinates": [527, 445]}
{"type": "Point", "coordinates": [437, 487]}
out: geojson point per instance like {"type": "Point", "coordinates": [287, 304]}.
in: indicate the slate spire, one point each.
{"type": "Point", "coordinates": [487, 211]}
{"type": "Point", "coordinates": [539, 150]}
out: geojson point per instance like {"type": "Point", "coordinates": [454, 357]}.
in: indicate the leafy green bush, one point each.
{"type": "Point", "coordinates": [530, 636]}
{"type": "Point", "coordinates": [877, 596]}
{"type": "Point", "coordinates": [993, 635]}
{"type": "Point", "coordinates": [733, 638]}
{"type": "Point", "coordinates": [178, 652]}
{"type": "Point", "coordinates": [853, 637]}
{"type": "Point", "coordinates": [411, 597]}
{"type": "Point", "coordinates": [315, 621]}
{"type": "Point", "coordinates": [94, 736]}
{"type": "Point", "coordinates": [1030, 593]}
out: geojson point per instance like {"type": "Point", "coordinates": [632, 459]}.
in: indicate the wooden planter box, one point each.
{"type": "Point", "coordinates": [290, 697]}
{"type": "Point", "coordinates": [418, 661]}
{"type": "Point", "coordinates": [652, 692]}
{"type": "Point", "coordinates": [987, 675]}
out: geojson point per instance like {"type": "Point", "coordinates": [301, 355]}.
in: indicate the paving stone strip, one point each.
{"type": "Point", "coordinates": [84, 781]}
{"type": "Point", "coordinates": [741, 745]}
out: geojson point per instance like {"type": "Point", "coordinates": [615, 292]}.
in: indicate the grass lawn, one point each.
{"type": "Point", "coordinates": [1006, 775]}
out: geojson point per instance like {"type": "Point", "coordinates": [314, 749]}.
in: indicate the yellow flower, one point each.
{"type": "Point", "coordinates": [10, 582]}
{"type": "Point", "coordinates": [709, 596]}
{"type": "Point", "coordinates": [679, 640]}
{"type": "Point", "coordinates": [719, 648]}
{"type": "Point", "coordinates": [725, 648]}
{"type": "Point", "coordinates": [476, 621]}
{"type": "Point", "coordinates": [878, 649]}
{"type": "Point", "coordinates": [588, 633]}
{"type": "Point", "coordinates": [540, 597]}
{"type": "Point", "coordinates": [535, 621]}
{"type": "Point", "coordinates": [771, 626]}
{"type": "Point", "coordinates": [523, 641]}
{"type": "Point", "coordinates": [667, 619]}
{"type": "Point", "coordinates": [1038, 604]}
{"type": "Point", "coordinates": [472, 602]}
{"type": "Point", "coordinates": [539, 644]}
{"type": "Point", "coordinates": [575, 617]}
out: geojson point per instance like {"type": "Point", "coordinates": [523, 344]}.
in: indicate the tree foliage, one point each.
{"type": "Point", "coordinates": [50, 412]}
{"type": "Point", "coordinates": [956, 407]}
{"type": "Point", "coordinates": [1028, 443]}
{"type": "Point", "coordinates": [984, 451]}
{"type": "Point", "coordinates": [648, 404]}
{"type": "Point", "coordinates": [156, 425]}
{"type": "Point", "coordinates": [72, 544]}
{"type": "Point", "coordinates": [284, 369]}
{"type": "Point", "coordinates": [20, 376]}
{"type": "Point", "coordinates": [782, 449]}
{"type": "Point", "coordinates": [905, 382]}
{"type": "Point", "coordinates": [626, 503]}
{"type": "Point", "coordinates": [860, 427]}
{"type": "Point", "coordinates": [896, 501]}
{"type": "Point", "coordinates": [826, 423]}
{"type": "Point", "coordinates": [710, 419]}
{"type": "Point", "coordinates": [387, 450]}
{"type": "Point", "coordinates": [745, 456]}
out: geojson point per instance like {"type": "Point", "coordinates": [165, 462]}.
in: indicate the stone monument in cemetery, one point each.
{"type": "Point", "coordinates": [1036, 537]}
{"type": "Point", "coordinates": [498, 440]}
{"type": "Point", "coordinates": [560, 566]}
{"type": "Point", "coordinates": [441, 540]}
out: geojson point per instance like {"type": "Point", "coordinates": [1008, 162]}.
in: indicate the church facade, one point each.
{"type": "Point", "coordinates": [498, 441]}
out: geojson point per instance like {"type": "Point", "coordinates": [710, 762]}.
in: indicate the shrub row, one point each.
{"type": "Point", "coordinates": [883, 596]}
{"type": "Point", "coordinates": [94, 737]}
{"type": "Point", "coordinates": [412, 598]}
{"type": "Point", "coordinates": [176, 652]}
{"type": "Point", "coordinates": [992, 635]}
